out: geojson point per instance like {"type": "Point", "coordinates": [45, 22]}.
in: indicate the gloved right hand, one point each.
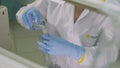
{"type": "Point", "coordinates": [30, 18]}
{"type": "Point", "coordinates": [58, 46]}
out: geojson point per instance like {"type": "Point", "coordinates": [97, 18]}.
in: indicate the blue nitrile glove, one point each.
{"type": "Point", "coordinates": [57, 46]}
{"type": "Point", "coordinates": [32, 19]}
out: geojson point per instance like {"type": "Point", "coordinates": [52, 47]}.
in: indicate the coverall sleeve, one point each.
{"type": "Point", "coordinates": [40, 5]}
{"type": "Point", "coordinates": [107, 44]}
{"type": "Point", "coordinates": [106, 50]}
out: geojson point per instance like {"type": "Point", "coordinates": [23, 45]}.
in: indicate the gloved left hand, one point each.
{"type": "Point", "coordinates": [57, 46]}
{"type": "Point", "coordinates": [30, 18]}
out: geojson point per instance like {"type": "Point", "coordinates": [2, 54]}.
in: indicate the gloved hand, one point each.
{"type": "Point", "coordinates": [57, 46]}
{"type": "Point", "coordinates": [30, 18]}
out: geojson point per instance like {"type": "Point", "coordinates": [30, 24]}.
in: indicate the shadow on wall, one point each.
{"type": "Point", "coordinates": [13, 6]}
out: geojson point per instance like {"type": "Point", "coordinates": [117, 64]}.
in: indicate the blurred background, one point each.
{"type": "Point", "coordinates": [20, 41]}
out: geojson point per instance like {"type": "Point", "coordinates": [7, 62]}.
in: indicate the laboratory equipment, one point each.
{"type": "Point", "coordinates": [31, 19]}
{"type": "Point", "coordinates": [5, 37]}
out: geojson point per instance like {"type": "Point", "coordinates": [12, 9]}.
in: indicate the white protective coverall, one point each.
{"type": "Point", "coordinates": [91, 30]}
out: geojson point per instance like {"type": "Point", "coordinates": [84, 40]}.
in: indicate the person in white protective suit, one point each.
{"type": "Point", "coordinates": [77, 38]}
